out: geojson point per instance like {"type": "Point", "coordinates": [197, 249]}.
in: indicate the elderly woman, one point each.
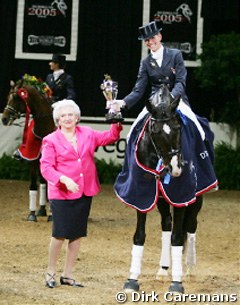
{"type": "Point", "coordinates": [67, 163]}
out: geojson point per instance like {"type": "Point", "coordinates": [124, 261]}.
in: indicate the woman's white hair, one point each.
{"type": "Point", "coordinates": [62, 104]}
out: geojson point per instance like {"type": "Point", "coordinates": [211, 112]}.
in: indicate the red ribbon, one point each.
{"type": "Point", "coordinates": [23, 94]}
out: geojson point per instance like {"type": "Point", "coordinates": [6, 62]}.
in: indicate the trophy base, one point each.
{"type": "Point", "coordinates": [114, 117]}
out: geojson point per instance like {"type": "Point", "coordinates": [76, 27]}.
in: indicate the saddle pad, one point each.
{"type": "Point", "coordinates": [31, 149]}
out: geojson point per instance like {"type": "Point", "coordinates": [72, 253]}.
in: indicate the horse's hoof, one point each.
{"type": "Point", "coordinates": [42, 211]}
{"type": "Point", "coordinates": [32, 217]}
{"type": "Point", "coordinates": [131, 285]}
{"type": "Point", "coordinates": [176, 287]}
{"type": "Point", "coordinates": [16, 155]}
{"type": "Point", "coordinates": [162, 274]}
{"type": "Point", "coordinates": [191, 271]}
{"type": "Point", "coordinates": [49, 218]}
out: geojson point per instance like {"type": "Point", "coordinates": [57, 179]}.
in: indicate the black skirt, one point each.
{"type": "Point", "coordinates": [70, 217]}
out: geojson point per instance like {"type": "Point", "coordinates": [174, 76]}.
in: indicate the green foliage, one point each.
{"type": "Point", "coordinates": [220, 73]}
{"type": "Point", "coordinates": [13, 169]}
{"type": "Point", "coordinates": [107, 172]}
{"type": "Point", "coordinates": [220, 62]}
{"type": "Point", "coordinates": [227, 166]}
{"type": "Point", "coordinates": [19, 170]}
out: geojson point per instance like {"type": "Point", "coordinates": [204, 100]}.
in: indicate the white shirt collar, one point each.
{"type": "Point", "coordinates": [57, 73]}
{"type": "Point", "coordinates": [158, 55]}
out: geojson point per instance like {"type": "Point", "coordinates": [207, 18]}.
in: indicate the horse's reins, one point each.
{"type": "Point", "coordinates": [23, 94]}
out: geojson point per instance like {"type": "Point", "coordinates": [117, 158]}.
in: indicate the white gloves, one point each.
{"type": "Point", "coordinates": [115, 105]}
{"type": "Point", "coordinates": [70, 184]}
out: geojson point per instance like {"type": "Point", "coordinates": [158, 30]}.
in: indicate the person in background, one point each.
{"type": "Point", "coordinates": [61, 83]}
{"type": "Point", "coordinates": [67, 163]}
{"type": "Point", "coordinates": [161, 66]}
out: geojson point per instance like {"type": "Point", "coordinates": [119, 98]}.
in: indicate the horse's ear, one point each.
{"type": "Point", "coordinates": [12, 83]}
{"type": "Point", "coordinates": [20, 83]}
{"type": "Point", "coordinates": [175, 103]}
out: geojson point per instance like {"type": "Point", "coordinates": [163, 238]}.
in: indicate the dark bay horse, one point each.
{"type": "Point", "coordinates": [33, 101]}
{"type": "Point", "coordinates": [155, 160]}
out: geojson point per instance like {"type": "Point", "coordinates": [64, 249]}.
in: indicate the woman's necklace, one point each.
{"type": "Point", "coordinates": [73, 141]}
{"type": "Point", "coordinates": [71, 138]}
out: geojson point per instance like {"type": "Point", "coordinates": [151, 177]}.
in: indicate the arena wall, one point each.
{"type": "Point", "coordinates": [11, 137]}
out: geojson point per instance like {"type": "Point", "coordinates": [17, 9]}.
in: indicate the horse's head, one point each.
{"type": "Point", "coordinates": [165, 129]}
{"type": "Point", "coordinates": [15, 104]}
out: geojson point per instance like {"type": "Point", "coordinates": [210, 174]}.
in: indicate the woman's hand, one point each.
{"type": "Point", "coordinates": [70, 184]}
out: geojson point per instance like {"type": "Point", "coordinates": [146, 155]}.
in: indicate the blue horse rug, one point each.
{"type": "Point", "coordinates": [140, 187]}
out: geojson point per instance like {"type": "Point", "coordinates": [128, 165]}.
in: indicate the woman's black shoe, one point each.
{"type": "Point", "coordinates": [70, 282]}
{"type": "Point", "coordinates": [51, 283]}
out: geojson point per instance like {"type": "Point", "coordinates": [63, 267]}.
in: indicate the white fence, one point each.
{"type": "Point", "coordinates": [11, 137]}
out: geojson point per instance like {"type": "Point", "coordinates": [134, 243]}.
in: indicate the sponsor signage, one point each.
{"type": "Point", "coordinates": [182, 26]}
{"type": "Point", "coordinates": [45, 27]}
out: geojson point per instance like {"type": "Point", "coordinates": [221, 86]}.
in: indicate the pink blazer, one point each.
{"type": "Point", "coordinates": [60, 158]}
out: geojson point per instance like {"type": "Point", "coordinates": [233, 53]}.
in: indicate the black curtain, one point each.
{"type": "Point", "coordinates": [8, 12]}
{"type": "Point", "coordinates": [220, 17]}
{"type": "Point", "coordinates": [107, 43]}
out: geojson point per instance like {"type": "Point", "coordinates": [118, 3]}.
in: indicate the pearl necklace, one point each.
{"type": "Point", "coordinates": [72, 140]}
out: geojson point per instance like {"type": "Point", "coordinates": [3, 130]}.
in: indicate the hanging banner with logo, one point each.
{"type": "Point", "coordinates": [45, 27]}
{"type": "Point", "coordinates": [182, 26]}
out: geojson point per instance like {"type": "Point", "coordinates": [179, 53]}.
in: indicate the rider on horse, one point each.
{"type": "Point", "coordinates": [59, 81]}
{"type": "Point", "coordinates": [58, 85]}
{"type": "Point", "coordinates": [162, 66]}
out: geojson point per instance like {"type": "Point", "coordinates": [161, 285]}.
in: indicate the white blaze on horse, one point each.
{"type": "Point", "coordinates": [30, 97]}
{"type": "Point", "coordinates": [163, 167]}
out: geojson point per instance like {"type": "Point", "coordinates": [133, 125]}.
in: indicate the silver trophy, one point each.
{"type": "Point", "coordinates": [110, 91]}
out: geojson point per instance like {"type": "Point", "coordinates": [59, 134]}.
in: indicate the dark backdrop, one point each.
{"type": "Point", "coordinates": [107, 43]}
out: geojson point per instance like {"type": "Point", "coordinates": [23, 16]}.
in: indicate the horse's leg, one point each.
{"type": "Point", "coordinates": [166, 224]}
{"type": "Point", "coordinates": [137, 253]}
{"type": "Point", "coordinates": [42, 193]}
{"type": "Point", "coordinates": [177, 241]}
{"type": "Point", "coordinates": [42, 196]}
{"type": "Point", "coordinates": [32, 191]}
{"type": "Point", "coordinates": [190, 226]}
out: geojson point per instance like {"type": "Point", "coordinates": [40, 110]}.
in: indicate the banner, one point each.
{"type": "Point", "coordinates": [45, 27]}
{"type": "Point", "coordinates": [11, 137]}
{"type": "Point", "coordinates": [182, 26]}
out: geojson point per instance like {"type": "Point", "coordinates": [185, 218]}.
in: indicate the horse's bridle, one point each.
{"type": "Point", "coordinates": [13, 113]}
{"type": "Point", "coordinates": [171, 153]}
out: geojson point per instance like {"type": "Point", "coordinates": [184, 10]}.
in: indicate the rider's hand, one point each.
{"type": "Point", "coordinates": [70, 184]}
{"type": "Point", "coordinates": [115, 105]}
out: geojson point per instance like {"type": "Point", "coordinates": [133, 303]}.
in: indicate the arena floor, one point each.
{"type": "Point", "coordinates": [104, 258]}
